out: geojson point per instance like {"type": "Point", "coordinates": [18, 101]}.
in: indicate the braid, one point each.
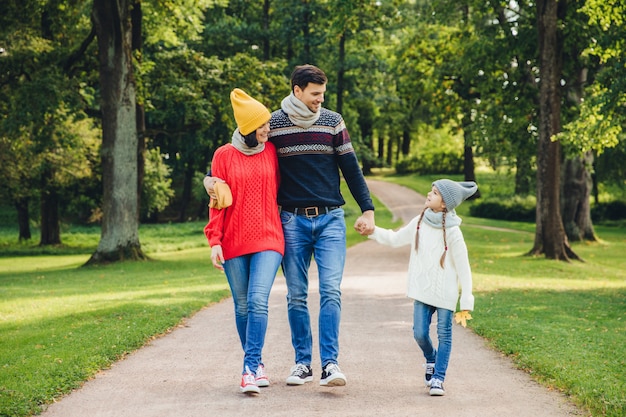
{"type": "Point", "coordinates": [417, 232]}
{"type": "Point", "coordinates": [445, 242]}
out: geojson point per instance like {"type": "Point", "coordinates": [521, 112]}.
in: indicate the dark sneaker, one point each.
{"type": "Point", "coordinates": [261, 378]}
{"type": "Point", "coordinates": [248, 383]}
{"type": "Point", "coordinates": [300, 374]}
{"type": "Point", "coordinates": [332, 376]}
{"type": "Point", "coordinates": [430, 370]}
{"type": "Point", "coordinates": [436, 387]}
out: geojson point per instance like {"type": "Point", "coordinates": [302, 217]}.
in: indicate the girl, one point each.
{"type": "Point", "coordinates": [437, 266]}
{"type": "Point", "coordinates": [246, 235]}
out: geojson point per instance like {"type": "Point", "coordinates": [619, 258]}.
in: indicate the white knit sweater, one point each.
{"type": "Point", "coordinates": [427, 281]}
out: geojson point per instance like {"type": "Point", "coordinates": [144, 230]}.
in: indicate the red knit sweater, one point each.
{"type": "Point", "coordinates": [252, 223]}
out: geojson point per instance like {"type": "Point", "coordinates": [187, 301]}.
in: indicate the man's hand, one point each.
{"type": "Point", "coordinates": [365, 223]}
{"type": "Point", "coordinates": [209, 182]}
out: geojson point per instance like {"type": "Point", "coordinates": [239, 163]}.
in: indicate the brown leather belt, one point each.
{"type": "Point", "coordinates": [312, 211]}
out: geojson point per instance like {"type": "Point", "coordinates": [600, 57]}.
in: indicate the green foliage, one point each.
{"type": "Point", "coordinates": [435, 152]}
{"type": "Point", "coordinates": [157, 191]}
{"type": "Point", "coordinates": [520, 209]}
{"type": "Point", "coordinates": [612, 210]}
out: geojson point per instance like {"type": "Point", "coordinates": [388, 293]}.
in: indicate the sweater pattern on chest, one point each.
{"type": "Point", "coordinates": [327, 136]}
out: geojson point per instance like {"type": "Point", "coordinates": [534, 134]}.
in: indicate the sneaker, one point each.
{"type": "Point", "coordinates": [300, 374]}
{"type": "Point", "coordinates": [332, 376]}
{"type": "Point", "coordinates": [261, 378]}
{"type": "Point", "coordinates": [248, 383]}
{"type": "Point", "coordinates": [436, 387]}
{"type": "Point", "coordinates": [430, 370]}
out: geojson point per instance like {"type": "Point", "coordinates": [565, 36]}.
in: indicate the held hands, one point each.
{"type": "Point", "coordinates": [217, 257]}
{"type": "Point", "coordinates": [365, 223]}
{"type": "Point", "coordinates": [462, 317]}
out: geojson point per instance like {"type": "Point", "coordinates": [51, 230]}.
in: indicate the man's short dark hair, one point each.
{"type": "Point", "coordinates": [302, 75]}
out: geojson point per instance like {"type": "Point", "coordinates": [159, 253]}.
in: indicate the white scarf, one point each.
{"type": "Point", "coordinates": [436, 219]}
{"type": "Point", "coordinates": [299, 114]}
{"type": "Point", "coordinates": [241, 146]}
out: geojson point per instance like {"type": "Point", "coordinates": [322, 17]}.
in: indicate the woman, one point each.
{"type": "Point", "coordinates": [246, 237]}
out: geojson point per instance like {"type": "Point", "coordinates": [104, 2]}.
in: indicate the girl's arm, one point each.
{"type": "Point", "coordinates": [396, 238]}
{"type": "Point", "coordinates": [460, 260]}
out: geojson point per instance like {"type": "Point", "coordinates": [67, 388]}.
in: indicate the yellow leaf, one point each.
{"type": "Point", "coordinates": [462, 317]}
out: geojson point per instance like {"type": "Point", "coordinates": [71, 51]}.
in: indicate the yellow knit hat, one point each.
{"type": "Point", "coordinates": [249, 113]}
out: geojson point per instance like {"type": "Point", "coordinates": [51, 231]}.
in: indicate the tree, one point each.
{"type": "Point", "coordinates": [120, 224]}
{"type": "Point", "coordinates": [550, 238]}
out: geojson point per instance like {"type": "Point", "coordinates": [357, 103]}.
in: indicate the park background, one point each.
{"type": "Point", "coordinates": [526, 98]}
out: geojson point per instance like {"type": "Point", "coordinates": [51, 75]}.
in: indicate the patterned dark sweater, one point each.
{"type": "Point", "coordinates": [310, 160]}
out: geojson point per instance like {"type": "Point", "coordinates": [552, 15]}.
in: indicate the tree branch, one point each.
{"type": "Point", "coordinates": [76, 55]}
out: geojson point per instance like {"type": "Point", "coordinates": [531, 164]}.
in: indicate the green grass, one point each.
{"type": "Point", "coordinates": [60, 323]}
{"type": "Point", "coordinates": [563, 323]}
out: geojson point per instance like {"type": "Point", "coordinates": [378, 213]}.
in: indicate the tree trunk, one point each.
{"type": "Point", "coordinates": [120, 225]}
{"type": "Point", "coordinates": [23, 219]}
{"type": "Point", "coordinates": [406, 142]}
{"type": "Point", "coordinates": [468, 168]}
{"type": "Point", "coordinates": [576, 194]}
{"type": "Point", "coordinates": [50, 229]}
{"type": "Point", "coordinates": [550, 238]}
{"type": "Point", "coordinates": [188, 177]}
{"type": "Point", "coordinates": [137, 44]}
{"type": "Point", "coordinates": [469, 173]}
{"type": "Point", "coordinates": [390, 142]}
{"type": "Point", "coordinates": [341, 72]}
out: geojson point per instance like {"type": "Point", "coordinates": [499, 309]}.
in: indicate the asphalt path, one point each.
{"type": "Point", "coordinates": [194, 370]}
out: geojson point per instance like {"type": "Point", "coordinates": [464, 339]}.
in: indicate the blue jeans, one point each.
{"type": "Point", "coordinates": [422, 316]}
{"type": "Point", "coordinates": [323, 237]}
{"type": "Point", "coordinates": [251, 278]}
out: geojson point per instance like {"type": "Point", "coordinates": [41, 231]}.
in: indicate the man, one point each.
{"type": "Point", "coordinates": [313, 145]}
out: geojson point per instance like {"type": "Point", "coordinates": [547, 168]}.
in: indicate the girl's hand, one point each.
{"type": "Point", "coordinates": [217, 257]}
{"type": "Point", "coordinates": [462, 317]}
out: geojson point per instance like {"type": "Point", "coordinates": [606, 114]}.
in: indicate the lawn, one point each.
{"type": "Point", "coordinates": [564, 323]}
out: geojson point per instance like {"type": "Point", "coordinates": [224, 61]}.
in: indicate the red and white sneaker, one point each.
{"type": "Point", "coordinates": [248, 383]}
{"type": "Point", "coordinates": [261, 378]}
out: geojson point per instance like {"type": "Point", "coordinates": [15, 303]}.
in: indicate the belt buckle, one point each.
{"type": "Point", "coordinates": [311, 211]}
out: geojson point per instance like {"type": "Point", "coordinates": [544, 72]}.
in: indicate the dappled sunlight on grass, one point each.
{"type": "Point", "coordinates": [488, 283]}
{"type": "Point", "coordinates": [41, 263]}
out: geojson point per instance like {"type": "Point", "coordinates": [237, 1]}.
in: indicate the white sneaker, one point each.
{"type": "Point", "coordinates": [300, 374]}
{"type": "Point", "coordinates": [430, 371]}
{"type": "Point", "coordinates": [332, 376]}
{"type": "Point", "coordinates": [436, 387]}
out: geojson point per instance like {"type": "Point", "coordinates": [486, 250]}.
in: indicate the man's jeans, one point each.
{"type": "Point", "coordinates": [323, 237]}
{"type": "Point", "coordinates": [422, 316]}
{"type": "Point", "coordinates": [251, 278]}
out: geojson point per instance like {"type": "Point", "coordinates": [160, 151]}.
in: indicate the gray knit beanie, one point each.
{"type": "Point", "coordinates": [454, 193]}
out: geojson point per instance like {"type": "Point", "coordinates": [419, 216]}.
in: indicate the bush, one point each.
{"type": "Point", "coordinates": [520, 209]}
{"type": "Point", "coordinates": [614, 210]}
{"type": "Point", "coordinates": [436, 162]}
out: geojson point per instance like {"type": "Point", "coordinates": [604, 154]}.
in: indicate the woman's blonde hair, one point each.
{"type": "Point", "coordinates": [445, 242]}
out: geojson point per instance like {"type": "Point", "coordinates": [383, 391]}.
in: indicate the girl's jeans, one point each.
{"type": "Point", "coordinates": [422, 316]}
{"type": "Point", "coordinates": [322, 237]}
{"type": "Point", "coordinates": [251, 278]}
